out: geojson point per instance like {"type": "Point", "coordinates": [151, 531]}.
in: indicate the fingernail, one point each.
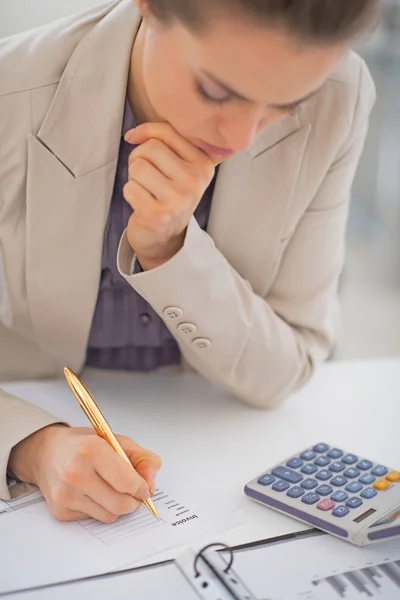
{"type": "Point", "coordinates": [153, 485]}
{"type": "Point", "coordinates": [144, 493]}
{"type": "Point", "coordinates": [130, 136]}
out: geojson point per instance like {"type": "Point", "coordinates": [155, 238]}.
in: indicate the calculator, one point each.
{"type": "Point", "coordinates": [346, 495]}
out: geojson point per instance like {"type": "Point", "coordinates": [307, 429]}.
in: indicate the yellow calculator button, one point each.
{"type": "Point", "coordinates": [381, 484]}
{"type": "Point", "coordinates": [393, 476]}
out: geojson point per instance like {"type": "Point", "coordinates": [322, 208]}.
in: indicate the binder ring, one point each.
{"type": "Point", "coordinates": [199, 555]}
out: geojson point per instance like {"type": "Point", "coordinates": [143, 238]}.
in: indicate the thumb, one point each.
{"type": "Point", "coordinates": [146, 463]}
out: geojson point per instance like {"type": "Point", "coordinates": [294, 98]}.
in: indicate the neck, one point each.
{"type": "Point", "coordinates": [138, 99]}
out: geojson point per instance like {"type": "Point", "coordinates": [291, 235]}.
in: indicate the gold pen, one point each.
{"type": "Point", "coordinates": [98, 421]}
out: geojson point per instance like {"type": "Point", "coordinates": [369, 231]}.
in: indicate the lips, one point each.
{"type": "Point", "coordinates": [215, 150]}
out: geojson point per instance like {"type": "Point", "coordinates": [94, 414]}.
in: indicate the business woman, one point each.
{"type": "Point", "coordinates": [174, 188]}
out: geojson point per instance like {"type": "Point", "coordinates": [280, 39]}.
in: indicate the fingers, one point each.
{"type": "Point", "coordinates": [146, 463]}
{"type": "Point", "coordinates": [150, 178]}
{"type": "Point", "coordinates": [102, 494]}
{"type": "Point", "coordinates": [122, 477]}
{"type": "Point", "coordinates": [88, 510]}
{"type": "Point", "coordinates": [167, 134]}
{"type": "Point", "coordinates": [161, 156]}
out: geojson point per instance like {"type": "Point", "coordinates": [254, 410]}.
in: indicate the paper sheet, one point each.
{"type": "Point", "coordinates": [36, 549]}
{"type": "Point", "coordinates": [321, 568]}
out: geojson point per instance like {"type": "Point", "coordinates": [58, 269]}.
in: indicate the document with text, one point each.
{"type": "Point", "coordinates": [37, 550]}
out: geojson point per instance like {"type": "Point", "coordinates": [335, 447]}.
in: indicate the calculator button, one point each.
{"type": "Point", "coordinates": [354, 487]}
{"type": "Point", "coordinates": [308, 455]}
{"type": "Point", "coordinates": [309, 469]}
{"type": "Point", "coordinates": [280, 486]}
{"type": "Point", "coordinates": [326, 504]}
{"type": "Point", "coordinates": [309, 484]}
{"type": "Point", "coordinates": [336, 467]}
{"type": "Point", "coordinates": [340, 511]}
{"type": "Point", "coordinates": [381, 485]}
{"type": "Point", "coordinates": [310, 498]}
{"type": "Point", "coordinates": [350, 459]}
{"type": "Point", "coordinates": [351, 473]}
{"type": "Point", "coordinates": [295, 492]}
{"type": "Point", "coordinates": [324, 490]}
{"type": "Point", "coordinates": [354, 502]}
{"type": "Point", "coordinates": [323, 475]}
{"type": "Point", "coordinates": [287, 474]}
{"type": "Point", "coordinates": [368, 493]}
{"type": "Point", "coordinates": [338, 481]}
{"type": "Point", "coordinates": [393, 476]}
{"type": "Point", "coordinates": [266, 480]}
{"type": "Point", "coordinates": [339, 496]}
{"type": "Point", "coordinates": [379, 471]}
{"type": "Point", "coordinates": [364, 465]}
{"type": "Point", "coordinates": [322, 461]}
{"type": "Point", "coordinates": [335, 453]}
{"type": "Point", "coordinates": [294, 463]}
{"type": "Point", "coordinates": [367, 479]}
{"type": "Point", "coordinates": [320, 448]}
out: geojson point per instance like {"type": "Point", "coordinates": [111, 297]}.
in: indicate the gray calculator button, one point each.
{"type": "Point", "coordinates": [337, 466]}
{"type": "Point", "coordinates": [310, 498]}
{"type": "Point", "coordinates": [309, 484]}
{"type": "Point", "coordinates": [353, 487]}
{"type": "Point", "coordinates": [367, 478]}
{"type": "Point", "coordinates": [340, 511]}
{"type": "Point", "coordinates": [368, 493]}
{"type": "Point", "coordinates": [266, 479]}
{"type": "Point", "coordinates": [379, 471]}
{"type": "Point", "coordinates": [309, 469]}
{"type": "Point", "coordinates": [339, 480]}
{"type": "Point", "coordinates": [295, 492]}
{"type": "Point", "coordinates": [323, 475]}
{"type": "Point", "coordinates": [287, 474]}
{"type": "Point", "coordinates": [364, 465]}
{"type": "Point", "coordinates": [308, 455]}
{"type": "Point", "coordinates": [350, 459]}
{"type": "Point", "coordinates": [351, 473]}
{"type": "Point", "coordinates": [335, 453]}
{"type": "Point", "coordinates": [320, 448]}
{"type": "Point", "coordinates": [294, 463]}
{"type": "Point", "coordinates": [354, 502]}
{"type": "Point", "coordinates": [322, 461]}
{"type": "Point", "coordinates": [339, 496]}
{"type": "Point", "coordinates": [280, 486]}
{"type": "Point", "coordinates": [324, 490]}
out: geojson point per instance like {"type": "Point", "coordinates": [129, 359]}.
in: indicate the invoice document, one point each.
{"type": "Point", "coordinates": [35, 549]}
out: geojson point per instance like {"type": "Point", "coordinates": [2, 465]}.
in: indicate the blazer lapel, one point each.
{"type": "Point", "coordinates": [252, 199]}
{"type": "Point", "coordinates": [71, 169]}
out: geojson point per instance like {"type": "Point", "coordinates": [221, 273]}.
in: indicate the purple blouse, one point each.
{"type": "Point", "coordinates": [126, 333]}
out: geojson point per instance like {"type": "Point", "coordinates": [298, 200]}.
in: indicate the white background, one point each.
{"type": "Point", "coordinates": [18, 15]}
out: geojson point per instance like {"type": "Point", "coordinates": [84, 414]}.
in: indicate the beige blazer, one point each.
{"type": "Point", "coordinates": [258, 289]}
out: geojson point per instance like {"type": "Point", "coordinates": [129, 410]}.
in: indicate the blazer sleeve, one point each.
{"type": "Point", "coordinates": [19, 419]}
{"type": "Point", "coordinates": [261, 348]}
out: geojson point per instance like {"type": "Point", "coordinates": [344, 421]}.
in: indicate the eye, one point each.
{"type": "Point", "coordinates": [291, 110]}
{"type": "Point", "coordinates": [209, 97]}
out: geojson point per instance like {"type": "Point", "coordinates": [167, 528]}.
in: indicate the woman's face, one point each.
{"type": "Point", "coordinates": [221, 87]}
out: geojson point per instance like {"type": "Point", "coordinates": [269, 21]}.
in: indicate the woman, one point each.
{"type": "Point", "coordinates": [233, 129]}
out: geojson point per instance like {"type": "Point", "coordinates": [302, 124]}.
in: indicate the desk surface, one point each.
{"type": "Point", "coordinates": [202, 430]}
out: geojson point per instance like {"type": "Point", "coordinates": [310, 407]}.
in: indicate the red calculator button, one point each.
{"type": "Point", "coordinates": [393, 476]}
{"type": "Point", "coordinates": [326, 504]}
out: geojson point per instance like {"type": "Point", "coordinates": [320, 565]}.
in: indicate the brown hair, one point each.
{"type": "Point", "coordinates": [320, 21]}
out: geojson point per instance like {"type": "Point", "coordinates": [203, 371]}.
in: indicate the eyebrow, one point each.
{"type": "Point", "coordinates": [236, 94]}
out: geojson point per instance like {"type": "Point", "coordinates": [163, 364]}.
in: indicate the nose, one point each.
{"type": "Point", "coordinates": [240, 130]}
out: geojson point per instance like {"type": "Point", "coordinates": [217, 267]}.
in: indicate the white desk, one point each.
{"type": "Point", "coordinates": [197, 428]}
